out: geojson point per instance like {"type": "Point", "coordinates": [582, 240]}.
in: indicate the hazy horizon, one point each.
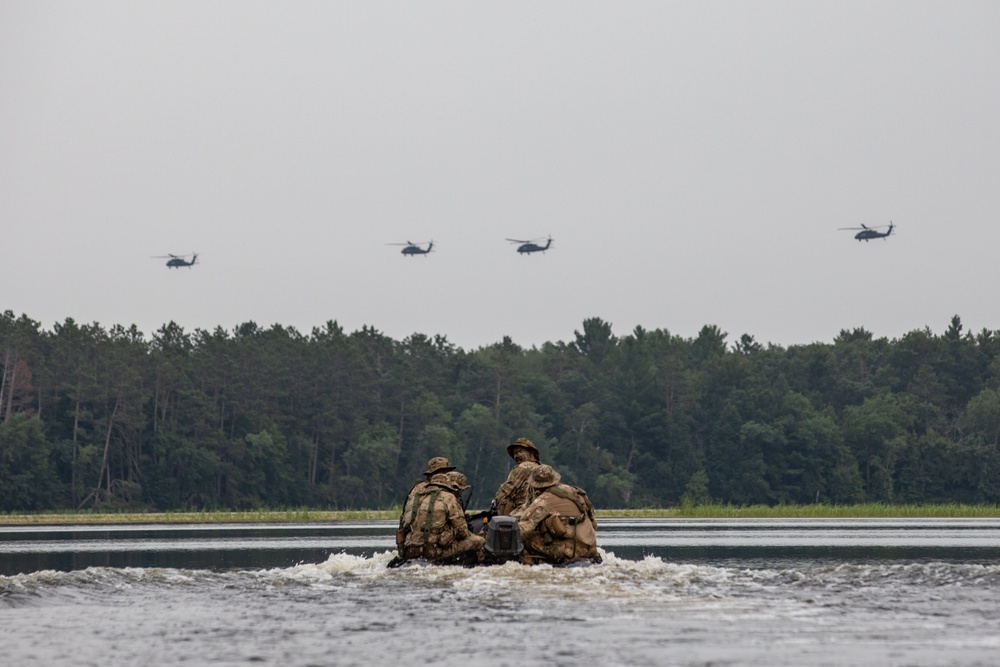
{"type": "Point", "coordinates": [693, 163]}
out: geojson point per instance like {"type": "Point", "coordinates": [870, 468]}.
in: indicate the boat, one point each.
{"type": "Point", "coordinates": [503, 544]}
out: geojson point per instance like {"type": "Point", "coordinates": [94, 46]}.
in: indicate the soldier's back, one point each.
{"type": "Point", "coordinates": [558, 526]}
{"type": "Point", "coordinates": [514, 493]}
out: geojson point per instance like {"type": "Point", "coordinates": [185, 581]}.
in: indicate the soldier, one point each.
{"type": "Point", "coordinates": [436, 465]}
{"type": "Point", "coordinates": [437, 530]}
{"type": "Point", "coordinates": [515, 492]}
{"type": "Point", "coordinates": [559, 525]}
{"type": "Point", "coordinates": [463, 483]}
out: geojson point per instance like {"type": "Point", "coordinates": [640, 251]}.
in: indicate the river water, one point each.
{"type": "Point", "coordinates": [670, 592]}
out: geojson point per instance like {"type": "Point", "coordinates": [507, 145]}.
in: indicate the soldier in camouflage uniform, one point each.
{"type": "Point", "coordinates": [436, 465]}
{"type": "Point", "coordinates": [559, 525]}
{"type": "Point", "coordinates": [461, 481]}
{"type": "Point", "coordinates": [437, 530]}
{"type": "Point", "coordinates": [515, 493]}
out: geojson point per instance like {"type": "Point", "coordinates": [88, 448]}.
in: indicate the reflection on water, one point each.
{"type": "Point", "coordinates": [229, 546]}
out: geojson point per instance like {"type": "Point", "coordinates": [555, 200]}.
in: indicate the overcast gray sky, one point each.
{"type": "Point", "coordinates": [693, 162]}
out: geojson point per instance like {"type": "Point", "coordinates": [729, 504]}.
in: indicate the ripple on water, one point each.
{"type": "Point", "coordinates": [614, 578]}
{"type": "Point", "coordinates": [352, 609]}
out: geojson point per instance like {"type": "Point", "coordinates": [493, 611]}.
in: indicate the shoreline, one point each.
{"type": "Point", "coordinates": [863, 511]}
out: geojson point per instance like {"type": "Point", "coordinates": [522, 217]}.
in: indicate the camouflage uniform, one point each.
{"type": "Point", "coordinates": [438, 531]}
{"type": "Point", "coordinates": [438, 464]}
{"type": "Point", "coordinates": [559, 524]}
{"type": "Point", "coordinates": [515, 493]}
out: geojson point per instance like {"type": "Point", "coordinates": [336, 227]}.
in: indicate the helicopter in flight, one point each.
{"type": "Point", "coordinates": [414, 248]}
{"type": "Point", "coordinates": [177, 261]}
{"type": "Point", "coordinates": [531, 246]}
{"type": "Point", "coordinates": [869, 233]}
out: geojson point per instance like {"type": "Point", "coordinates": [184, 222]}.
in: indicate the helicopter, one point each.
{"type": "Point", "coordinates": [177, 261]}
{"type": "Point", "coordinates": [869, 233]}
{"type": "Point", "coordinates": [531, 246]}
{"type": "Point", "coordinates": [414, 248]}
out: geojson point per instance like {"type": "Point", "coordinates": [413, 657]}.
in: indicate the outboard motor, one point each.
{"type": "Point", "coordinates": [503, 540]}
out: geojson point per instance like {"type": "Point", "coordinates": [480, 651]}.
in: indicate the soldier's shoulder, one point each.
{"type": "Point", "coordinates": [452, 504]}
{"type": "Point", "coordinates": [545, 498]}
{"type": "Point", "coordinates": [527, 465]}
{"type": "Point", "coordinates": [536, 510]}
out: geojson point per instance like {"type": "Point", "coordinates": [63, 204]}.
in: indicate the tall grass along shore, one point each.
{"type": "Point", "coordinates": [820, 511]}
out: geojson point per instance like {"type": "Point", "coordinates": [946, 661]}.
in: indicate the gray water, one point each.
{"type": "Point", "coordinates": [684, 592]}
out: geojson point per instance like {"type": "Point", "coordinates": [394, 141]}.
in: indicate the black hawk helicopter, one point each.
{"type": "Point", "coordinates": [869, 233]}
{"type": "Point", "coordinates": [531, 246]}
{"type": "Point", "coordinates": [177, 261]}
{"type": "Point", "coordinates": [414, 248]}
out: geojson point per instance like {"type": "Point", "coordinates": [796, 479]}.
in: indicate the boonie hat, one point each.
{"type": "Point", "coordinates": [458, 478]}
{"type": "Point", "coordinates": [522, 442]}
{"type": "Point", "coordinates": [543, 477]}
{"type": "Point", "coordinates": [438, 464]}
{"type": "Point", "coordinates": [444, 481]}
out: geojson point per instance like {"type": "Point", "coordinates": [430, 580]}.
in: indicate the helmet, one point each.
{"type": "Point", "coordinates": [543, 477]}
{"type": "Point", "coordinates": [522, 442]}
{"type": "Point", "coordinates": [458, 478]}
{"type": "Point", "coordinates": [438, 464]}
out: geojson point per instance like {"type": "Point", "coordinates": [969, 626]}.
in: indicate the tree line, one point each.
{"type": "Point", "coordinates": [272, 417]}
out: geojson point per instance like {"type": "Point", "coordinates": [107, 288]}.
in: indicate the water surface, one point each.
{"type": "Point", "coordinates": [686, 592]}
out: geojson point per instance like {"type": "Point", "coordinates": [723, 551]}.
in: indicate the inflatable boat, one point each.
{"type": "Point", "coordinates": [503, 544]}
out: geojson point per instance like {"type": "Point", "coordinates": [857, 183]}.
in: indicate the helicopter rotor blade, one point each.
{"type": "Point", "coordinates": [518, 241]}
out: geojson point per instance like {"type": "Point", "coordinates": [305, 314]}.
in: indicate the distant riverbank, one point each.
{"type": "Point", "coordinates": [868, 510]}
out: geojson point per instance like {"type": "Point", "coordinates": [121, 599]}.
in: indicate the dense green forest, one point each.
{"type": "Point", "coordinates": [271, 417]}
